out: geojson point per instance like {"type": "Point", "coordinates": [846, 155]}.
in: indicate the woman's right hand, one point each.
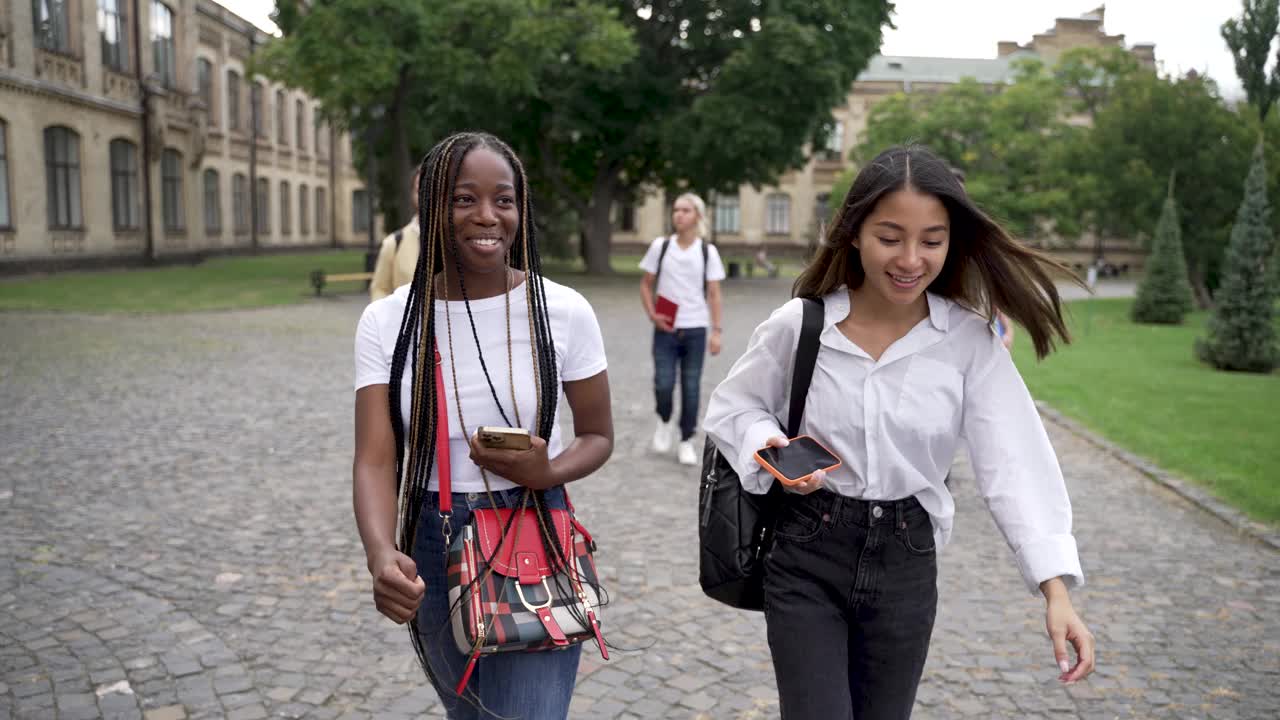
{"type": "Point", "coordinates": [663, 323]}
{"type": "Point", "coordinates": [397, 589]}
{"type": "Point", "coordinates": [813, 482]}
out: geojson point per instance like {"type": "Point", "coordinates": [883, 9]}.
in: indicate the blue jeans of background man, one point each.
{"type": "Point", "coordinates": [528, 685]}
{"type": "Point", "coordinates": [850, 593]}
{"type": "Point", "coordinates": [686, 347]}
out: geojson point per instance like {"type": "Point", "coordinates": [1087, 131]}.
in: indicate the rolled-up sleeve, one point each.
{"type": "Point", "coordinates": [1017, 470]}
{"type": "Point", "coordinates": [742, 413]}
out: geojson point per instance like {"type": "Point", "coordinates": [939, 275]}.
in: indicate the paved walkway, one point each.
{"type": "Point", "coordinates": [178, 542]}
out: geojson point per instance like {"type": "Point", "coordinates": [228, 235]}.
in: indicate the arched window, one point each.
{"type": "Point", "coordinates": [282, 123]}
{"type": "Point", "coordinates": [240, 204]}
{"type": "Point", "coordinates": [166, 62]}
{"type": "Point", "coordinates": [303, 218]}
{"type": "Point", "coordinates": [234, 117]}
{"type": "Point", "coordinates": [778, 221]}
{"type": "Point", "coordinates": [286, 217]}
{"type": "Point", "coordinates": [300, 124]}
{"type": "Point", "coordinates": [728, 214]}
{"type": "Point", "coordinates": [6, 219]}
{"type": "Point", "coordinates": [113, 34]}
{"type": "Point", "coordinates": [62, 177]}
{"type": "Point", "coordinates": [204, 85]}
{"type": "Point", "coordinates": [322, 214]}
{"type": "Point", "coordinates": [171, 190]}
{"type": "Point", "coordinates": [125, 214]}
{"type": "Point", "coordinates": [263, 219]}
{"type": "Point", "coordinates": [212, 203]}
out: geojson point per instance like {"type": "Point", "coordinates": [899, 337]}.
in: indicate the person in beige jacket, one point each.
{"type": "Point", "coordinates": [397, 257]}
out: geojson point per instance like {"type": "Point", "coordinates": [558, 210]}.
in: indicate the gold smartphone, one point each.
{"type": "Point", "coordinates": [504, 438]}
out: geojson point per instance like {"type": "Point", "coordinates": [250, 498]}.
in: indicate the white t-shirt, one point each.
{"type": "Point", "coordinates": [681, 278]}
{"type": "Point", "coordinates": [579, 355]}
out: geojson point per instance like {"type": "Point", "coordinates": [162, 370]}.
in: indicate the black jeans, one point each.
{"type": "Point", "coordinates": [687, 348]}
{"type": "Point", "coordinates": [850, 597]}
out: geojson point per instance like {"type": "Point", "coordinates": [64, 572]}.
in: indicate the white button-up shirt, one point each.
{"type": "Point", "coordinates": [896, 423]}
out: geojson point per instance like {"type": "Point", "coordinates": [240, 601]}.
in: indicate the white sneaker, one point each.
{"type": "Point", "coordinates": [662, 437]}
{"type": "Point", "coordinates": [687, 455]}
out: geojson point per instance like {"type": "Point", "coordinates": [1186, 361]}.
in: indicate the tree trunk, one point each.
{"type": "Point", "coordinates": [597, 228]}
{"type": "Point", "coordinates": [401, 163]}
{"type": "Point", "coordinates": [1201, 291]}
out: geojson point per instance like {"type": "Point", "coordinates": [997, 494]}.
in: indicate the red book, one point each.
{"type": "Point", "coordinates": [665, 308]}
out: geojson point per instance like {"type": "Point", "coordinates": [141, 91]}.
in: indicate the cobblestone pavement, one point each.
{"type": "Point", "coordinates": [178, 542]}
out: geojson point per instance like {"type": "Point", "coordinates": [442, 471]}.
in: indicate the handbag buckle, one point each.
{"type": "Point", "coordinates": [534, 608]}
{"type": "Point", "coordinates": [446, 528]}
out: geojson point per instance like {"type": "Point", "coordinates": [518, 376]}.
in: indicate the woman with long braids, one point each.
{"type": "Point", "coordinates": [508, 342]}
{"type": "Point", "coordinates": [908, 365]}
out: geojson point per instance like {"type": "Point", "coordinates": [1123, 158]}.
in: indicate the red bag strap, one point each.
{"type": "Point", "coordinates": [442, 440]}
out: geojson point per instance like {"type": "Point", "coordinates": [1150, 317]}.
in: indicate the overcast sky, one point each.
{"type": "Point", "coordinates": [1185, 38]}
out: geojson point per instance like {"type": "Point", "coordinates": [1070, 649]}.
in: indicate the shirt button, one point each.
{"type": "Point", "coordinates": [876, 511]}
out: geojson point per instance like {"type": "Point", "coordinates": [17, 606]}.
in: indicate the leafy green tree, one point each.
{"type": "Point", "coordinates": [1250, 37]}
{"type": "Point", "coordinates": [1241, 330]}
{"type": "Point", "coordinates": [416, 70]}
{"type": "Point", "coordinates": [720, 93]}
{"type": "Point", "coordinates": [1164, 296]}
{"type": "Point", "coordinates": [1000, 140]}
{"type": "Point", "coordinates": [1149, 129]}
{"type": "Point", "coordinates": [1089, 76]}
{"type": "Point", "coordinates": [605, 99]}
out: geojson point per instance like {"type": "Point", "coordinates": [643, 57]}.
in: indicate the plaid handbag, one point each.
{"type": "Point", "coordinates": [507, 593]}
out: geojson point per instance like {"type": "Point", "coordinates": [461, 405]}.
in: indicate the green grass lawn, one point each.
{"type": "Point", "coordinates": [220, 283]}
{"type": "Point", "coordinates": [216, 284]}
{"type": "Point", "coordinates": [1141, 387]}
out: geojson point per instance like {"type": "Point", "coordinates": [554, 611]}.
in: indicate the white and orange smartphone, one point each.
{"type": "Point", "coordinates": [798, 461]}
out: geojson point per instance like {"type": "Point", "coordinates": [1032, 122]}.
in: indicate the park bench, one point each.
{"type": "Point", "coordinates": [320, 278]}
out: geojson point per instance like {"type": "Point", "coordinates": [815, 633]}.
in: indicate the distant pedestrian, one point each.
{"type": "Point", "coordinates": [680, 292]}
{"type": "Point", "coordinates": [398, 254]}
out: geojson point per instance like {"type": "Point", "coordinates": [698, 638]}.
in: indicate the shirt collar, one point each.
{"type": "Point", "coordinates": [837, 308]}
{"type": "Point", "coordinates": [939, 311]}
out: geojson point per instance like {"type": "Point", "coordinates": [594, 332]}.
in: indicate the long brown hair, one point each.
{"type": "Point", "coordinates": [985, 267]}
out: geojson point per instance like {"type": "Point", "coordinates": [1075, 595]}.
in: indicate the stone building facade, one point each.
{"type": "Point", "coordinates": [234, 159]}
{"type": "Point", "coordinates": [784, 217]}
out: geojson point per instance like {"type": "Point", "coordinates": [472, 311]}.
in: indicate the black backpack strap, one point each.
{"type": "Point", "coordinates": [665, 242]}
{"type": "Point", "coordinates": [704, 268]}
{"type": "Point", "coordinates": [806, 359]}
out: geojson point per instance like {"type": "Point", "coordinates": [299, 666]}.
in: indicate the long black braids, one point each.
{"type": "Point", "coordinates": [416, 441]}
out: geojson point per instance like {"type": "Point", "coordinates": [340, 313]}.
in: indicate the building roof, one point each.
{"type": "Point", "coordinates": [900, 68]}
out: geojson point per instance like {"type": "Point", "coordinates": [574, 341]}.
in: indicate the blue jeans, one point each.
{"type": "Point", "coordinates": [686, 347]}
{"type": "Point", "coordinates": [533, 685]}
{"type": "Point", "coordinates": [850, 594]}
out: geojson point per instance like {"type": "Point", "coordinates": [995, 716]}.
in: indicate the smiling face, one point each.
{"type": "Point", "coordinates": [485, 215]}
{"type": "Point", "coordinates": [903, 245]}
{"type": "Point", "coordinates": [684, 216]}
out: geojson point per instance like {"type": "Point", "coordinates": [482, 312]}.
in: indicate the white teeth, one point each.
{"type": "Point", "coordinates": [905, 280]}
{"type": "Point", "coordinates": [485, 242]}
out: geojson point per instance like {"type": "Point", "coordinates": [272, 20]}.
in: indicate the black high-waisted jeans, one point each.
{"type": "Point", "coordinates": [850, 597]}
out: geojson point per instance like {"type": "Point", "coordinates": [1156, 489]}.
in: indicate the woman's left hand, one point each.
{"type": "Point", "coordinates": [1065, 626]}
{"type": "Point", "coordinates": [529, 468]}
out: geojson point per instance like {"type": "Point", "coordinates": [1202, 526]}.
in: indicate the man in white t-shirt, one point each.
{"type": "Point", "coordinates": [680, 292]}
